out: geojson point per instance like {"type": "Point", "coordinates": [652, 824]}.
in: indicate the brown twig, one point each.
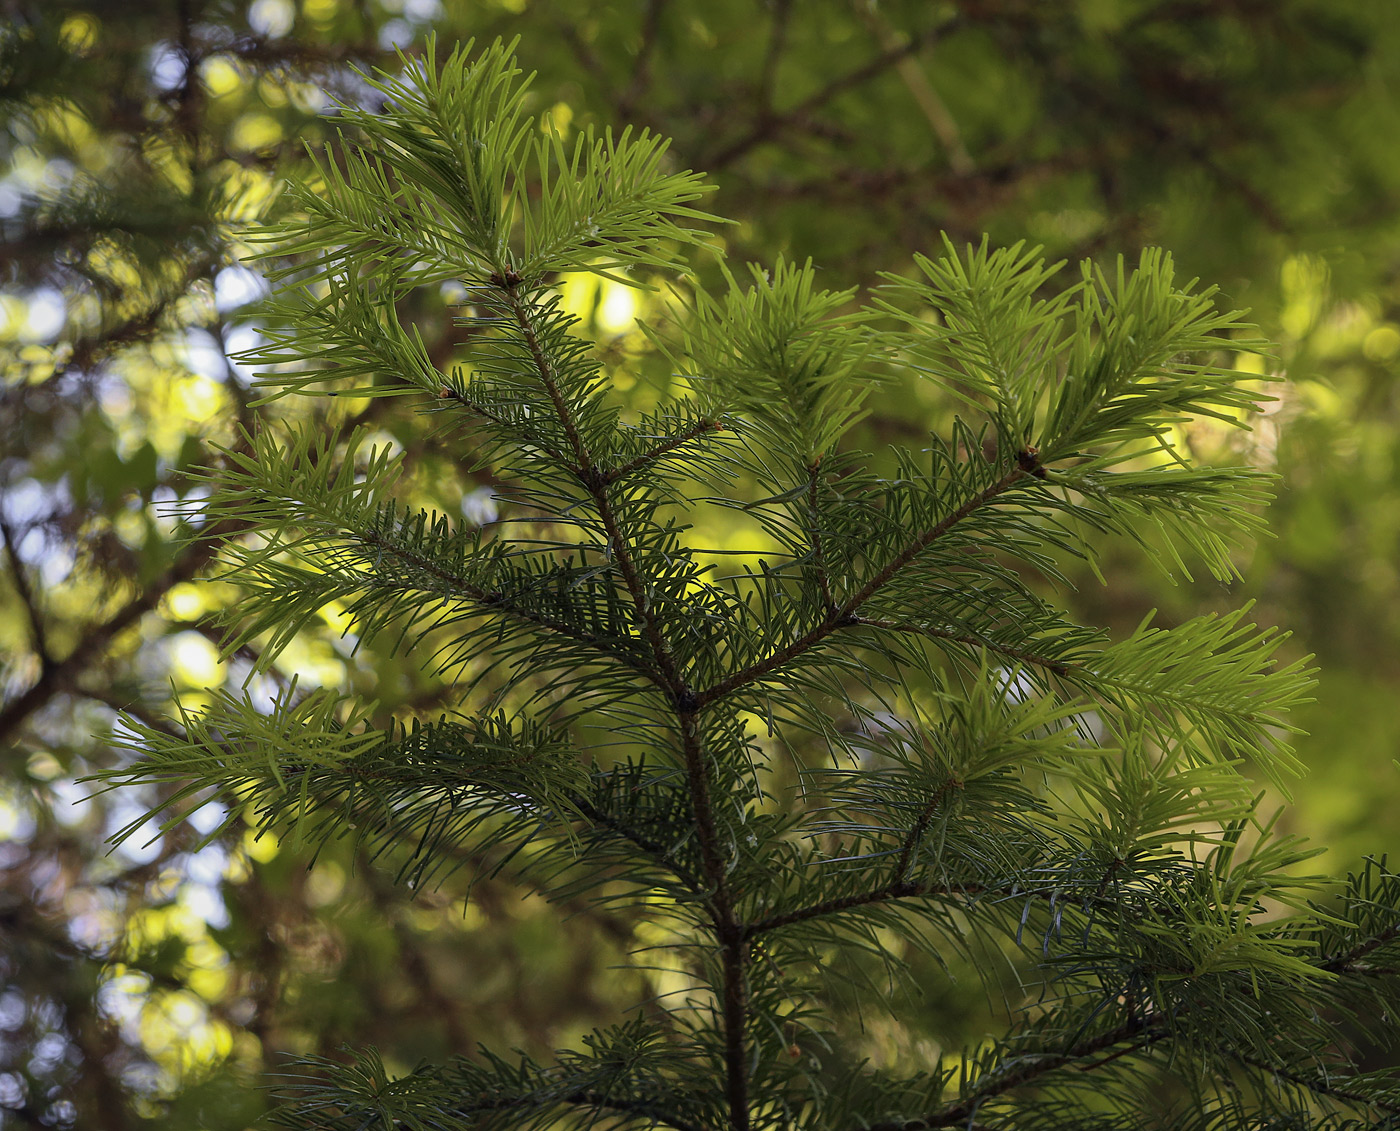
{"type": "Point", "coordinates": [26, 595]}
{"type": "Point", "coordinates": [640, 81]}
{"type": "Point", "coordinates": [59, 676]}
{"type": "Point", "coordinates": [772, 125]}
{"type": "Point", "coordinates": [777, 42]}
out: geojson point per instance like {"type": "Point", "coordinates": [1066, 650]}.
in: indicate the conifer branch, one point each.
{"type": "Point", "coordinates": [841, 616]}
{"type": "Point", "coordinates": [1019, 1071]}
{"type": "Point", "coordinates": [660, 782]}
{"type": "Point", "coordinates": [1320, 1087]}
{"type": "Point", "coordinates": [646, 459]}
{"type": "Point", "coordinates": [472, 406]}
{"type": "Point", "coordinates": [653, 849]}
{"type": "Point", "coordinates": [510, 283]}
{"type": "Point", "coordinates": [1139, 1031]}
{"type": "Point", "coordinates": [901, 889]}
{"type": "Point", "coordinates": [895, 889]}
{"type": "Point", "coordinates": [498, 602]}
{"type": "Point", "coordinates": [1345, 962]}
{"type": "Point", "coordinates": [1020, 655]}
{"type": "Point", "coordinates": [919, 827]}
{"type": "Point", "coordinates": [599, 1101]}
{"type": "Point", "coordinates": [593, 482]}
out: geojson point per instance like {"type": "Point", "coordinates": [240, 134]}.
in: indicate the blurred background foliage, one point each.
{"type": "Point", "coordinates": [150, 986]}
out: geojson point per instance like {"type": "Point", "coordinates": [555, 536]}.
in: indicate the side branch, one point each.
{"type": "Point", "coordinates": [887, 893]}
{"type": "Point", "coordinates": [841, 616]}
{"type": "Point", "coordinates": [968, 638]}
{"type": "Point", "coordinates": [920, 826]}
{"type": "Point", "coordinates": [1318, 1087]}
{"type": "Point", "coordinates": [26, 595]}
{"type": "Point", "coordinates": [653, 850]}
{"type": "Point", "coordinates": [902, 888]}
{"type": "Point", "coordinates": [447, 393]}
{"type": "Point", "coordinates": [585, 1097]}
{"type": "Point", "coordinates": [1022, 1070]}
{"type": "Point", "coordinates": [1345, 962]}
{"type": "Point", "coordinates": [494, 601]}
{"type": "Point", "coordinates": [665, 448]}
{"type": "Point", "coordinates": [1133, 1034]}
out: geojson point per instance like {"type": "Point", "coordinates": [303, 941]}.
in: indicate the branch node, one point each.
{"type": "Point", "coordinates": [1028, 460]}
